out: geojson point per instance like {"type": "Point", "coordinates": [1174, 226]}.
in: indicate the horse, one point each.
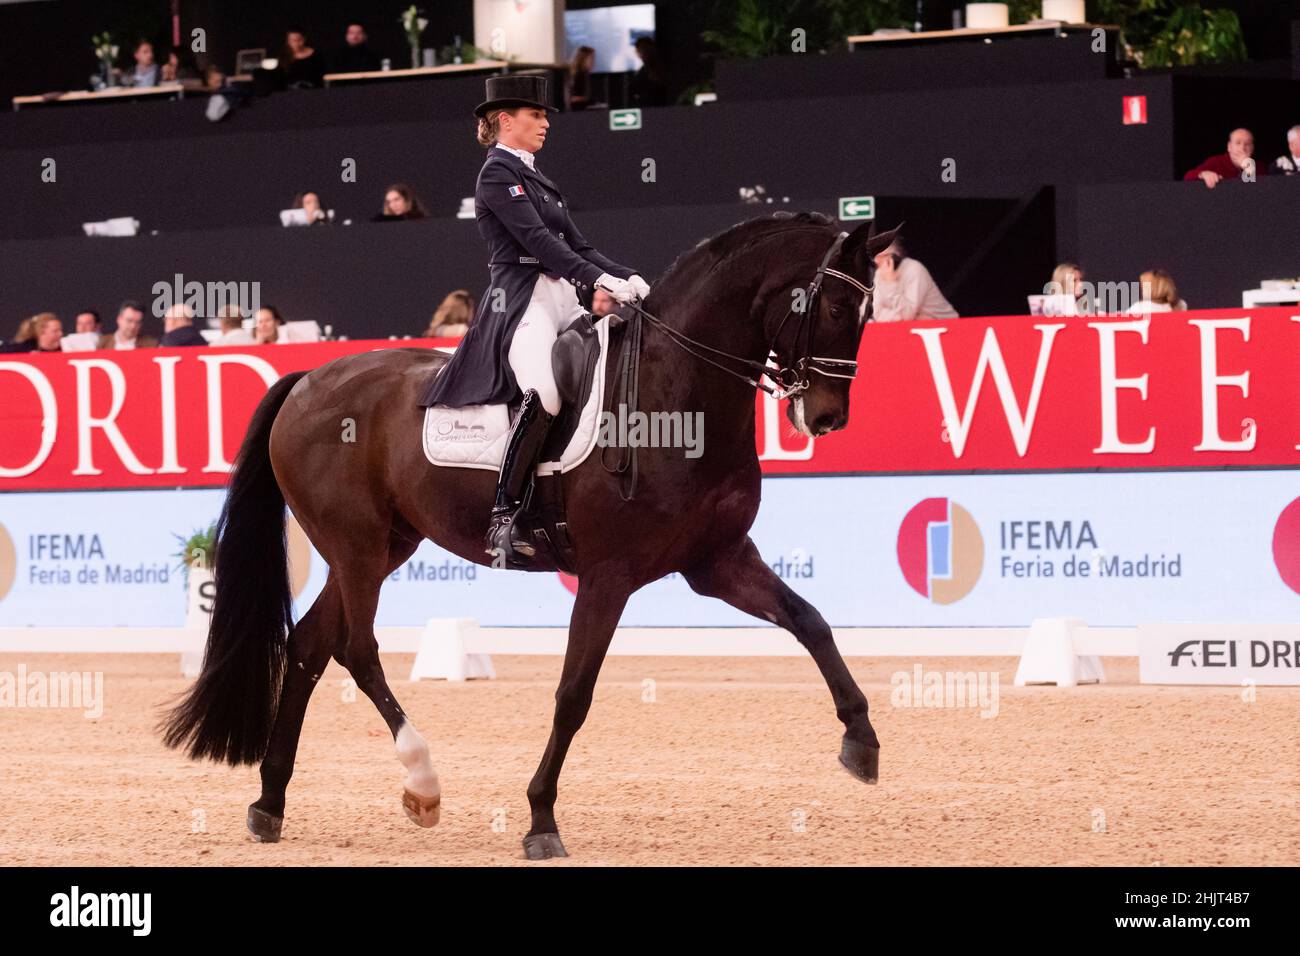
{"type": "Point", "coordinates": [732, 303]}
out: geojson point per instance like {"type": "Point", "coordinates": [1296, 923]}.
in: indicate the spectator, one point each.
{"type": "Point", "coordinates": [24, 339]}
{"type": "Point", "coordinates": [88, 321]}
{"type": "Point", "coordinates": [178, 327]}
{"type": "Point", "coordinates": [40, 333]}
{"type": "Point", "coordinates": [648, 86]}
{"type": "Point", "coordinates": [1159, 294]}
{"type": "Point", "coordinates": [584, 61]}
{"type": "Point", "coordinates": [146, 72]}
{"type": "Point", "coordinates": [453, 318]}
{"type": "Point", "coordinates": [269, 320]}
{"type": "Point", "coordinates": [401, 202]}
{"type": "Point", "coordinates": [1288, 164]}
{"type": "Point", "coordinates": [213, 78]}
{"type": "Point", "coordinates": [602, 303]}
{"type": "Point", "coordinates": [49, 332]}
{"type": "Point", "coordinates": [1066, 293]}
{"type": "Point", "coordinates": [174, 70]}
{"type": "Point", "coordinates": [303, 67]}
{"type": "Point", "coordinates": [130, 317]}
{"type": "Point", "coordinates": [232, 328]}
{"type": "Point", "coordinates": [1230, 165]}
{"type": "Point", "coordinates": [905, 289]}
{"type": "Point", "coordinates": [355, 56]}
{"type": "Point", "coordinates": [310, 203]}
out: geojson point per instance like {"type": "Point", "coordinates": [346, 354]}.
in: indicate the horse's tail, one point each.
{"type": "Point", "coordinates": [228, 713]}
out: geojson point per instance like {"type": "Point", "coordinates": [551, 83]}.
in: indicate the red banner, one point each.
{"type": "Point", "coordinates": [1207, 389]}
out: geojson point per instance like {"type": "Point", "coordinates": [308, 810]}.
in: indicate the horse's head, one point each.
{"type": "Point", "coordinates": [816, 344]}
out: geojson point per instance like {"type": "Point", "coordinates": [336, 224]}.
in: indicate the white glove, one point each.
{"type": "Point", "coordinates": [622, 290]}
{"type": "Point", "coordinates": [642, 287]}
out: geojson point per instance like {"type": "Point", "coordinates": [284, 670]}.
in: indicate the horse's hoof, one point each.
{"type": "Point", "coordinates": [543, 846]}
{"type": "Point", "coordinates": [264, 827]}
{"type": "Point", "coordinates": [861, 760]}
{"type": "Point", "coordinates": [422, 811]}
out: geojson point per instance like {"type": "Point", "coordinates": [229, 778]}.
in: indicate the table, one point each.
{"type": "Point", "coordinates": [480, 66]}
{"type": "Point", "coordinates": [1055, 27]}
{"type": "Point", "coordinates": [1288, 296]}
{"type": "Point", "coordinates": [168, 90]}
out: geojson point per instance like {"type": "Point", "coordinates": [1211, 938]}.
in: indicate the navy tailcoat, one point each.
{"type": "Point", "coordinates": [525, 220]}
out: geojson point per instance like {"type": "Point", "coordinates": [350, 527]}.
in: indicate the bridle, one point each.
{"type": "Point", "coordinates": [787, 381]}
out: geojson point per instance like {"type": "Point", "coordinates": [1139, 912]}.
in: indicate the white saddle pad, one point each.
{"type": "Point", "coordinates": [475, 436]}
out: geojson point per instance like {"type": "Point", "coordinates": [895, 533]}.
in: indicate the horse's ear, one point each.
{"type": "Point", "coordinates": [867, 241]}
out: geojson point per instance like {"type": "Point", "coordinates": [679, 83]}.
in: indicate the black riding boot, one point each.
{"type": "Point", "coordinates": [522, 449]}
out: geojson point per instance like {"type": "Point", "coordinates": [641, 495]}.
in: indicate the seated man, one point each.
{"type": "Point", "coordinates": [178, 327]}
{"type": "Point", "coordinates": [146, 72]}
{"type": "Point", "coordinates": [1288, 164]}
{"type": "Point", "coordinates": [355, 56]}
{"type": "Point", "coordinates": [130, 317]}
{"type": "Point", "coordinates": [905, 290]}
{"type": "Point", "coordinates": [1230, 165]}
{"type": "Point", "coordinates": [232, 328]}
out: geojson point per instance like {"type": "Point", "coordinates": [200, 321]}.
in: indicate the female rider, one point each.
{"type": "Point", "coordinates": [542, 272]}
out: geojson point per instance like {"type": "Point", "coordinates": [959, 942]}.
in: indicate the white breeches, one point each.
{"type": "Point", "coordinates": [553, 306]}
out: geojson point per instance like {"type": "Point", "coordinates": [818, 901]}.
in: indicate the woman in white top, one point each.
{"type": "Point", "coordinates": [905, 290]}
{"type": "Point", "coordinates": [1159, 294]}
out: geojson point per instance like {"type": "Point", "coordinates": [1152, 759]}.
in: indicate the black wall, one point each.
{"type": "Point", "coordinates": [1215, 242]}
{"type": "Point", "coordinates": [373, 280]}
{"type": "Point", "coordinates": [242, 171]}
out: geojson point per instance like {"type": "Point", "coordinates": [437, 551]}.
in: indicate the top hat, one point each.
{"type": "Point", "coordinates": [516, 89]}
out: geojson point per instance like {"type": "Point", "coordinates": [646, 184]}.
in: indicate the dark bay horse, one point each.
{"type": "Point", "coordinates": [367, 503]}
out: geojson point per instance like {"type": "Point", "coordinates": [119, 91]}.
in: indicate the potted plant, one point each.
{"type": "Point", "coordinates": [413, 22]}
{"type": "Point", "coordinates": [197, 555]}
{"type": "Point", "coordinates": [1166, 33]}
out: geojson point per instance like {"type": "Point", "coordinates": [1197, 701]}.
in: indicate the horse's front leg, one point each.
{"type": "Point", "coordinates": [739, 576]}
{"type": "Point", "coordinates": [602, 594]}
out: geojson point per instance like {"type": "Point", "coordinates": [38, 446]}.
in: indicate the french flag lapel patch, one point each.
{"type": "Point", "coordinates": [516, 192]}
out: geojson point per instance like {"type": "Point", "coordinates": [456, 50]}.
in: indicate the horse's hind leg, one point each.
{"type": "Point", "coordinates": [310, 643]}
{"type": "Point", "coordinates": [362, 578]}
{"type": "Point", "coordinates": [740, 577]}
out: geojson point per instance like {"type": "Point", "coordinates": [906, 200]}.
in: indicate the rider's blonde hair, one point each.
{"type": "Point", "coordinates": [489, 127]}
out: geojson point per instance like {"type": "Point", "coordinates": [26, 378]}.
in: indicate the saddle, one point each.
{"type": "Point", "coordinates": [474, 436]}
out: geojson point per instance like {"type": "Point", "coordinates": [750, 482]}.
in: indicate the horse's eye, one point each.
{"type": "Point", "coordinates": [836, 311]}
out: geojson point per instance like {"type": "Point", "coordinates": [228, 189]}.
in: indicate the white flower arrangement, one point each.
{"type": "Point", "coordinates": [413, 23]}
{"type": "Point", "coordinates": [105, 49]}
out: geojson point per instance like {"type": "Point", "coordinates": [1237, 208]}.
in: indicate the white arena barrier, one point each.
{"type": "Point", "coordinates": [457, 648]}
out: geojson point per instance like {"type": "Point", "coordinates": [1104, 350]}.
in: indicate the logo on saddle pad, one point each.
{"type": "Point", "coordinates": [454, 431]}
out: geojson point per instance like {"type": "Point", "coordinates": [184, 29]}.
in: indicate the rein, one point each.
{"type": "Point", "coordinates": [787, 381]}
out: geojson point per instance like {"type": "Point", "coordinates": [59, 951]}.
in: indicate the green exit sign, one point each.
{"type": "Point", "coordinates": [624, 119]}
{"type": "Point", "coordinates": [857, 207]}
